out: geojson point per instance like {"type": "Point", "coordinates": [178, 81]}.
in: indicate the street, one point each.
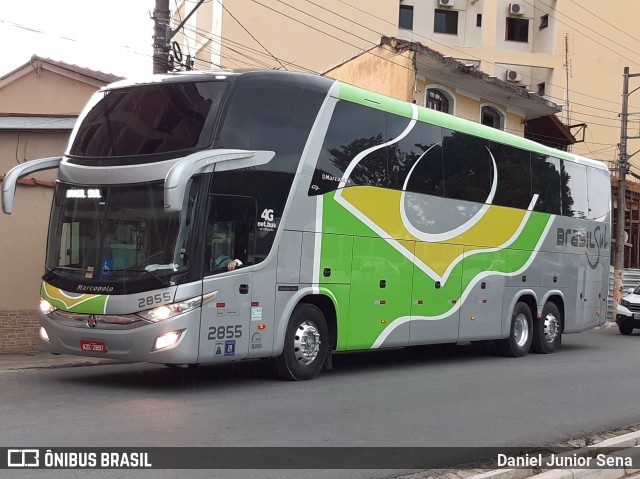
{"type": "Point", "coordinates": [430, 396]}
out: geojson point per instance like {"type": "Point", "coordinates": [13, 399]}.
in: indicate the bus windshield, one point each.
{"type": "Point", "coordinates": [148, 119]}
{"type": "Point", "coordinates": [111, 232]}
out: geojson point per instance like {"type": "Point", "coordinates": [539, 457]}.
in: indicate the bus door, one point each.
{"type": "Point", "coordinates": [226, 319]}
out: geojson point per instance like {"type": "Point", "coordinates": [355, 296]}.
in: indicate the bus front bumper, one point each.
{"type": "Point", "coordinates": [173, 341]}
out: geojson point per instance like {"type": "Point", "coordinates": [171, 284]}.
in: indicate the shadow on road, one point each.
{"type": "Point", "coordinates": [242, 373]}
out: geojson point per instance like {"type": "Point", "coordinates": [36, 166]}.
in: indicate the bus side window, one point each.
{"type": "Point", "coordinates": [230, 231]}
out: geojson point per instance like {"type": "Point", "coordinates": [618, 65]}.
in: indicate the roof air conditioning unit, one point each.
{"type": "Point", "coordinates": [516, 9]}
{"type": "Point", "coordinates": [446, 3]}
{"type": "Point", "coordinates": [513, 76]}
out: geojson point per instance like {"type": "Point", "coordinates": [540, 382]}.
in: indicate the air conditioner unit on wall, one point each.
{"type": "Point", "coordinates": [516, 9]}
{"type": "Point", "coordinates": [446, 3]}
{"type": "Point", "coordinates": [513, 76]}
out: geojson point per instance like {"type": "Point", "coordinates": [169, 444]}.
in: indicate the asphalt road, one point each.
{"type": "Point", "coordinates": [433, 396]}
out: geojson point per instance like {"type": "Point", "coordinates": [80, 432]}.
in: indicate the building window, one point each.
{"type": "Point", "coordinates": [406, 17]}
{"type": "Point", "coordinates": [437, 100]}
{"type": "Point", "coordinates": [491, 117]}
{"type": "Point", "coordinates": [542, 87]}
{"type": "Point", "coordinates": [446, 21]}
{"type": "Point", "coordinates": [517, 30]}
{"type": "Point", "coordinates": [479, 20]}
{"type": "Point", "coordinates": [544, 21]}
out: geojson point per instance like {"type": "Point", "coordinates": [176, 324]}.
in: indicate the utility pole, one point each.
{"type": "Point", "coordinates": [161, 32]}
{"type": "Point", "coordinates": [162, 35]}
{"type": "Point", "coordinates": [623, 161]}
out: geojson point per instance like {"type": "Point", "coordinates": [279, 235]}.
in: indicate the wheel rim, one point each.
{"type": "Point", "coordinates": [551, 328]}
{"type": "Point", "coordinates": [521, 330]}
{"type": "Point", "coordinates": [306, 343]}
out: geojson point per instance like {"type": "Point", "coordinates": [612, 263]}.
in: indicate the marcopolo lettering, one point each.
{"type": "Point", "coordinates": [83, 288]}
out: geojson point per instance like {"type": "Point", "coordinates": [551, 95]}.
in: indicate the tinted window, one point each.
{"type": "Point", "coordinates": [416, 160]}
{"type": "Point", "coordinates": [514, 176]}
{"type": "Point", "coordinates": [599, 189]}
{"type": "Point", "coordinates": [546, 183]}
{"type": "Point", "coordinates": [467, 167]}
{"type": "Point", "coordinates": [150, 119]}
{"type": "Point", "coordinates": [271, 117]}
{"type": "Point", "coordinates": [353, 129]}
{"type": "Point", "coordinates": [574, 189]}
{"type": "Point", "coordinates": [269, 191]}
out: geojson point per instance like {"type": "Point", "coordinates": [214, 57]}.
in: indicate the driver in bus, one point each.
{"type": "Point", "coordinates": [221, 248]}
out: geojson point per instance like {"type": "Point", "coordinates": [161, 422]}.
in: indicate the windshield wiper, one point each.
{"type": "Point", "coordinates": [49, 274]}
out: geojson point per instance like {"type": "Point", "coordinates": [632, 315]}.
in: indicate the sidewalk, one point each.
{"type": "Point", "coordinates": [42, 360]}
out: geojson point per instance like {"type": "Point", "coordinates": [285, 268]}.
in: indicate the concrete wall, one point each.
{"type": "Point", "coordinates": [380, 70]}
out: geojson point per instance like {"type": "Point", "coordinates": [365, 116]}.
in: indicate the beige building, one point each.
{"type": "Point", "coordinates": [39, 104]}
{"type": "Point", "coordinates": [415, 73]}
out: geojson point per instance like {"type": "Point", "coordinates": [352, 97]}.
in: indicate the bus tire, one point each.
{"type": "Point", "coordinates": [518, 342]}
{"type": "Point", "coordinates": [306, 344]}
{"type": "Point", "coordinates": [547, 331]}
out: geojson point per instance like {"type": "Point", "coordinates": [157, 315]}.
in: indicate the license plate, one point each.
{"type": "Point", "coordinates": [93, 346]}
{"type": "Point", "coordinates": [636, 315]}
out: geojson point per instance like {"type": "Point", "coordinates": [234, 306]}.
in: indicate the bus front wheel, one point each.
{"type": "Point", "coordinates": [305, 344]}
{"type": "Point", "coordinates": [547, 331]}
{"type": "Point", "coordinates": [518, 342]}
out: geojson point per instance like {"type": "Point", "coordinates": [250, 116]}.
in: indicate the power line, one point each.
{"type": "Point", "coordinates": [605, 21]}
{"type": "Point", "coordinates": [250, 34]}
{"type": "Point", "coordinates": [588, 28]}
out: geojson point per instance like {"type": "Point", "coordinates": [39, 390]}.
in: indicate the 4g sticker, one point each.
{"type": "Point", "coordinates": [268, 223]}
{"type": "Point", "coordinates": [225, 332]}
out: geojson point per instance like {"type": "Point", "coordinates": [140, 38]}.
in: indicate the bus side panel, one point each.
{"type": "Point", "coordinates": [554, 274]}
{"type": "Point", "coordinates": [333, 261]}
{"type": "Point", "coordinates": [326, 261]}
{"type": "Point", "coordinates": [263, 324]}
{"type": "Point", "coordinates": [380, 294]}
{"type": "Point", "coordinates": [481, 311]}
{"type": "Point", "coordinates": [289, 254]}
{"type": "Point", "coordinates": [434, 317]}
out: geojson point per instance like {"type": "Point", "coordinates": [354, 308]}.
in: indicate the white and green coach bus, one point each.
{"type": "Point", "coordinates": [210, 217]}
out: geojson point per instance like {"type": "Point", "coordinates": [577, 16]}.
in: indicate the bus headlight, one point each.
{"type": "Point", "coordinates": [167, 311]}
{"type": "Point", "coordinates": [46, 307]}
{"type": "Point", "coordinates": [167, 340]}
{"type": "Point", "coordinates": [43, 334]}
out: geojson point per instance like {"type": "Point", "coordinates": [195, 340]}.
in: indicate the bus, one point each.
{"type": "Point", "coordinates": [221, 216]}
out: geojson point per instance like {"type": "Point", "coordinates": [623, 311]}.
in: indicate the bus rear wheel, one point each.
{"type": "Point", "coordinates": [547, 331]}
{"type": "Point", "coordinates": [518, 342]}
{"type": "Point", "coordinates": [306, 344]}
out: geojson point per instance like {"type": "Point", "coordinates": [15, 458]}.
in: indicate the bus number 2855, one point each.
{"type": "Point", "coordinates": [225, 332]}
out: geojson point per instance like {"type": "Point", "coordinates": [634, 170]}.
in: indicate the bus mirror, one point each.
{"type": "Point", "coordinates": [205, 162]}
{"type": "Point", "coordinates": [11, 179]}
